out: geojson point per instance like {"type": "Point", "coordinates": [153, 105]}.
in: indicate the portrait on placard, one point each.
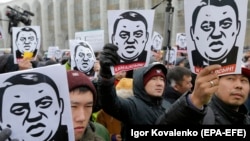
{"type": "Point", "coordinates": [157, 40]}
{"type": "Point", "coordinates": [131, 32]}
{"type": "Point", "coordinates": [181, 42]}
{"type": "Point", "coordinates": [1, 33]}
{"type": "Point", "coordinates": [215, 33]}
{"type": "Point", "coordinates": [35, 104]}
{"type": "Point", "coordinates": [26, 42]}
{"type": "Point", "coordinates": [82, 57]}
{"type": "Point", "coordinates": [171, 55]}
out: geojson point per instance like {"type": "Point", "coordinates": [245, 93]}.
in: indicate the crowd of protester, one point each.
{"type": "Point", "coordinates": [154, 97]}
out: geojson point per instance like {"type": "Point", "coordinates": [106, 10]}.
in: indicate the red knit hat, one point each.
{"type": "Point", "coordinates": [245, 72]}
{"type": "Point", "coordinates": [151, 73]}
{"type": "Point", "coordinates": [77, 79]}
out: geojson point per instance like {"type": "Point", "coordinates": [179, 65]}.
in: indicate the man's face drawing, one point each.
{"type": "Point", "coordinates": [182, 41]}
{"type": "Point", "coordinates": [32, 115]}
{"type": "Point", "coordinates": [26, 41]}
{"type": "Point", "coordinates": [171, 56]}
{"type": "Point", "coordinates": [157, 43]}
{"type": "Point", "coordinates": [131, 36]}
{"type": "Point", "coordinates": [84, 59]}
{"type": "Point", "coordinates": [215, 31]}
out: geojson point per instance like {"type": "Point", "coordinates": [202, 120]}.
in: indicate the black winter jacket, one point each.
{"type": "Point", "coordinates": [215, 113]}
{"type": "Point", "coordinates": [140, 109]}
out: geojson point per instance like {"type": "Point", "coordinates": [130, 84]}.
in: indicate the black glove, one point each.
{"type": "Point", "coordinates": [5, 134]}
{"type": "Point", "coordinates": [108, 57]}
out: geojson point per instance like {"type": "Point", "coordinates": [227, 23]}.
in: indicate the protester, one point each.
{"type": "Point", "coordinates": [148, 87]}
{"type": "Point", "coordinates": [124, 89]}
{"type": "Point", "coordinates": [83, 96]}
{"type": "Point", "coordinates": [217, 100]}
{"type": "Point", "coordinates": [180, 82]}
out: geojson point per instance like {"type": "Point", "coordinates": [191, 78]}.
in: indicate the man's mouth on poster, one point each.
{"type": "Point", "coordinates": [26, 47]}
{"type": "Point", "coordinates": [130, 49]}
{"type": "Point", "coordinates": [216, 46]}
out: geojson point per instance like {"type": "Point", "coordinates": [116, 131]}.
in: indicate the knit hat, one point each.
{"type": "Point", "coordinates": [246, 72]}
{"type": "Point", "coordinates": [79, 79]}
{"type": "Point", "coordinates": [155, 71]}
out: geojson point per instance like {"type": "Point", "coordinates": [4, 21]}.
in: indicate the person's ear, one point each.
{"type": "Point", "coordinates": [192, 32]}
{"type": "Point", "coordinates": [147, 35]}
{"type": "Point", "coordinates": [61, 105]}
{"type": "Point", "coordinates": [238, 27]}
{"type": "Point", "coordinates": [113, 39]}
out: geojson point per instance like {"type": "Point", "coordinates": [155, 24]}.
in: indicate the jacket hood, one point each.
{"type": "Point", "coordinates": [138, 87]}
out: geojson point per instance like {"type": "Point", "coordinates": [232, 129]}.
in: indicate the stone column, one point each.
{"type": "Point", "coordinates": [71, 19]}
{"type": "Point", "coordinates": [103, 19]}
{"type": "Point", "coordinates": [124, 4]}
{"type": "Point", "coordinates": [57, 23]}
{"type": "Point", "coordinates": [147, 4]}
{"type": "Point", "coordinates": [86, 14]}
{"type": "Point", "coordinates": [45, 25]}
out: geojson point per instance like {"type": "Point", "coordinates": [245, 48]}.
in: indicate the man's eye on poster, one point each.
{"type": "Point", "coordinates": [215, 33]}
{"type": "Point", "coordinates": [26, 42]}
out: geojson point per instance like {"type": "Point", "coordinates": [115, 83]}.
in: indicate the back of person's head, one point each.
{"type": "Point", "coordinates": [180, 61]}
{"type": "Point", "coordinates": [77, 80]}
{"type": "Point", "coordinates": [176, 74]}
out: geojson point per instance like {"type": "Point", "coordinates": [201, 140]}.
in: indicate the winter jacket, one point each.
{"type": "Point", "coordinates": [171, 94]}
{"type": "Point", "coordinates": [140, 109]}
{"type": "Point", "coordinates": [90, 134]}
{"type": "Point", "coordinates": [215, 113]}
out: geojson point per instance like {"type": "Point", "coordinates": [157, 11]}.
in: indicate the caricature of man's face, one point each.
{"type": "Point", "coordinates": [171, 56]}
{"type": "Point", "coordinates": [58, 54]}
{"type": "Point", "coordinates": [157, 43]}
{"type": "Point", "coordinates": [215, 32]}
{"type": "Point", "coordinates": [26, 41]}
{"type": "Point", "coordinates": [31, 116]}
{"type": "Point", "coordinates": [182, 41]}
{"type": "Point", "coordinates": [84, 59]}
{"type": "Point", "coordinates": [131, 36]}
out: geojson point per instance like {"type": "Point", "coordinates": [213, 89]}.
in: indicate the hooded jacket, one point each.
{"type": "Point", "coordinates": [221, 113]}
{"type": "Point", "coordinates": [139, 109]}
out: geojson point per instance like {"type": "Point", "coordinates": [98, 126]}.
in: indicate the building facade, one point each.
{"type": "Point", "coordinates": [60, 19]}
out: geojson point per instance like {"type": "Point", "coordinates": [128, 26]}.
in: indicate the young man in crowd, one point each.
{"type": "Point", "coordinates": [216, 100]}
{"type": "Point", "coordinates": [83, 96]}
{"type": "Point", "coordinates": [147, 103]}
{"type": "Point", "coordinates": [179, 83]}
